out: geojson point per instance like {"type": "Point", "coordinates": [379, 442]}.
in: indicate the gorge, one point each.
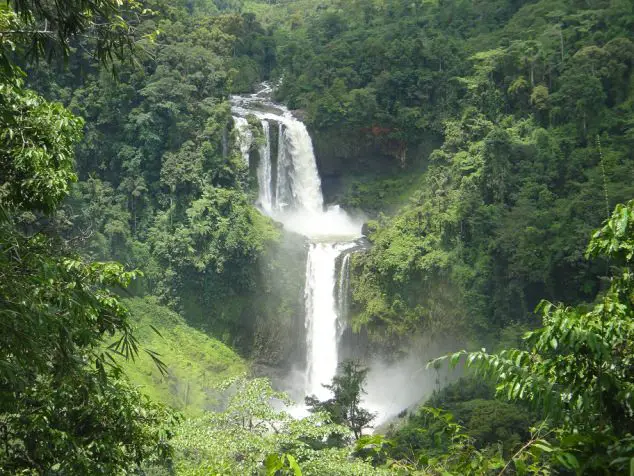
{"type": "Point", "coordinates": [289, 191]}
{"type": "Point", "coordinates": [278, 147]}
{"type": "Point", "coordinates": [184, 246]}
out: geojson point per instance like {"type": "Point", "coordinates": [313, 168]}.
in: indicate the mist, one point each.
{"type": "Point", "coordinates": [396, 386]}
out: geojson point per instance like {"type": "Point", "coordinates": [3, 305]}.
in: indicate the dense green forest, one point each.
{"type": "Point", "coordinates": [529, 105]}
{"type": "Point", "coordinates": [143, 296]}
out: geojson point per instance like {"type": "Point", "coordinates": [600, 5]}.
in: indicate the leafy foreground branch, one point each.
{"type": "Point", "coordinates": [578, 368]}
{"type": "Point", "coordinates": [65, 407]}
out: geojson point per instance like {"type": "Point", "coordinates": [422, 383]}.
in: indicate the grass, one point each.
{"type": "Point", "coordinates": [196, 363]}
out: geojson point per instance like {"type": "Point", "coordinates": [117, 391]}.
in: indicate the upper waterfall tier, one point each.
{"type": "Point", "coordinates": [289, 183]}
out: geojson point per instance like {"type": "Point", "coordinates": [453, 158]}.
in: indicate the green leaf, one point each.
{"type": "Point", "coordinates": [543, 445]}
{"type": "Point", "coordinates": [455, 358]}
{"type": "Point", "coordinates": [273, 463]}
{"type": "Point", "coordinates": [571, 460]}
{"type": "Point", "coordinates": [520, 467]}
{"type": "Point", "coordinates": [292, 462]}
{"type": "Point", "coordinates": [156, 330]}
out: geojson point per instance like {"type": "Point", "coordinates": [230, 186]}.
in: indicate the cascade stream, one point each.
{"type": "Point", "coordinates": [290, 193]}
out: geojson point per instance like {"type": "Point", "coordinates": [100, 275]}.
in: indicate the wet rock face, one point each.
{"type": "Point", "coordinates": [300, 114]}
{"type": "Point", "coordinates": [348, 153]}
{"type": "Point", "coordinates": [341, 156]}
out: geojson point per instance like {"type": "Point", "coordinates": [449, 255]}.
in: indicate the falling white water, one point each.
{"type": "Point", "coordinates": [343, 288]}
{"type": "Point", "coordinates": [296, 198]}
{"type": "Point", "coordinates": [265, 197]}
{"type": "Point", "coordinates": [283, 194]}
{"type": "Point", "coordinates": [290, 192]}
{"type": "Point", "coordinates": [245, 138]}
{"type": "Point", "coordinates": [305, 183]}
{"type": "Point", "coordinates": [322, 313]}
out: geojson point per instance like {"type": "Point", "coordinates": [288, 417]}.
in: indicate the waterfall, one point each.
{"type": "Point", "coordinates": [343, 289]}
{"type": "Point", "coordinates": [265, 197]}
{"type": "Point", "coordinates": [283, 194]}
{"type": "Point", "coordinates": [290, 193]}
{"type": "Point", "coordinates": [305, 183]}
{"type": "Point", "coordinates": [322, 315]}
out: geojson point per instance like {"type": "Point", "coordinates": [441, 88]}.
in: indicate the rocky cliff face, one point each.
{"type": "Point", "coordinates": [343, 155]}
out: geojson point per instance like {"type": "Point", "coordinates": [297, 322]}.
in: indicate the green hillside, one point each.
{"type": "Point", "coordinates": [196, 362]}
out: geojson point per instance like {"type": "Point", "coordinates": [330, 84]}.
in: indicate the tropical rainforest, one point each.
{"type": "Point", "coordinates": [150, 312]}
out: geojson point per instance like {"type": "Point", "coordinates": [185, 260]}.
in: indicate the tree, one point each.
{"type": "Point", "coordinates": [577, 368]}
{"type": "Point", "coordinates": [64, 405]}
{"type": "Point", "coordinates": [63, 402]}
{"type": "Point", "coordinates": [344, 407]}
{"type": "Point", "coordinates": [581, 98]}
{"type": "Point", "coordinates": [42, 28]}
{"type": "Point", "coordinates": [255, 432]}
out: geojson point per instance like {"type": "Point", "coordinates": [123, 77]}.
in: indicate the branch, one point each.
{"type": "Point", "coordinates": [26, 32]}
{"type": "Point", "coordinates": [522, 449]}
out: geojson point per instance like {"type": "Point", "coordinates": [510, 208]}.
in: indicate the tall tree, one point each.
{"type": "Point", "coordinates": [344, 407]}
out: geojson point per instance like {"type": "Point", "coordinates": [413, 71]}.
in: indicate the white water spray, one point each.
{"type": "Point", "coordinates": [290, 193]}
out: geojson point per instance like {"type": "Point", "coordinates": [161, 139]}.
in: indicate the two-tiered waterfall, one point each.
{"type": "Point", "coordinates": [290, 192]}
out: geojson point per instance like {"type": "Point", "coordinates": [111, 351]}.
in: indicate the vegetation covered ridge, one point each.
{"type": "Point", "coordinates": [497, 135]}
{"type": "Point", "coordinates": [195, 364]}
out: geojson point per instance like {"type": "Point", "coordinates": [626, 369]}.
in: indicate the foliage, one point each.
{"type": "Point", "coordinates": [252, 436]}
{"type": "Point", "coordinates": [344, 408]}
{"type": "Point", "coordinates": [499, 217]}
{"type": "Point", "coordinates": [490, 423]}
{"type": "Point", "coordinates": [44, 30]}
{"type": "Point", "coordinates": [36, 149]}
{"type": "Point", "coordinates": [162, 186]}
{"type": "Point", "coordinates": [576, 368]}
{"type": "Point", "coordinates": [81, 424]}
{"type": "Point", "coordinates": [65, 406]}
{"type": "Point", "coordinates": [528, 106]}
{"type": "Point", "coordinates": [460, 456]}
{"type": "Point", "coordinates": [513, 96]}
{"type": "Point", "coordinates": [64, 403]}
{"type": "Point", "coordinates": [453, 451]}
{"type": "Point", "coordinates": [145, 168]}
{"type": "Point", "coordinates": [195, 363]}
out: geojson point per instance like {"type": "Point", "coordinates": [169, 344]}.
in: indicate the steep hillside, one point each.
{"type": "Point", "coordinates": [196, 363]}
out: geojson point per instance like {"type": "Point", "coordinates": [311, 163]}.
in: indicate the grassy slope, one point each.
{"type": "Point", "coordinates": [196, 362]}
